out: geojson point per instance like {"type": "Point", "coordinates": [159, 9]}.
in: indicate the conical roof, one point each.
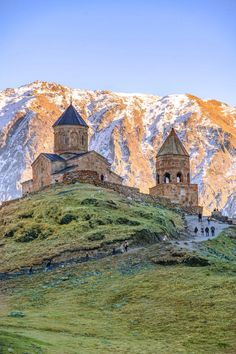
{"type": "Point", "coordinates": [172, 146]}
{"type": "Point", "coordinates": [70, 117]}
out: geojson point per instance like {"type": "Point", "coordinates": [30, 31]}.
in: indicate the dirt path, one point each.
{"type": "Point", "coordinates": [192, 221]}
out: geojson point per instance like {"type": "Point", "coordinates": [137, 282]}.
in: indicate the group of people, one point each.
{"type": "Point", "coordinates": [207, 230]}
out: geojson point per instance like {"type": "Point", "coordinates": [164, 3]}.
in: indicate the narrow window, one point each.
{"type": "Point", "coordinates": [179, 177]}
{"type": "Point", "coordinates": [158, 179]}
{"type": "Point", "coordinates": [167, 178]}
{"type": "Point", "coordinates": [102, 178]}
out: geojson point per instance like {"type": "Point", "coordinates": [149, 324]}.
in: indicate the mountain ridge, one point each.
{"type": "Point", "coordinates": [128, 129]}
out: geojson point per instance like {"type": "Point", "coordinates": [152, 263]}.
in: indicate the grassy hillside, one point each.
{"type": "Point", "coordinates": [124, 304]}
{"type": "Point", "coordinates": [127, 303]}
{"type": "Point", "coordinates": [77, 217]}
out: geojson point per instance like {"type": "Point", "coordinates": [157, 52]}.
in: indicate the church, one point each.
{"type": "Point", "coordinates": [173, 173]}
{"type": "Point", "coordinates": [70, 155]}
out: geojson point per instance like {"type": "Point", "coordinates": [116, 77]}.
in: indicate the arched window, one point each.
{"type": "Point", "coordinates": [74, 139]}
{"type": "Point", "coordinates": [167, 178]}
{"type": "Point", "coordinates": [102, 178]}
{"type": "Point", "coordinates": [63, 139]}
{"type": "Point", "coordinates": [188, 178]}
{"type": "Point", "coordinates": [158, 179]}
{"type": "Point", "coordinates": [179, 177]}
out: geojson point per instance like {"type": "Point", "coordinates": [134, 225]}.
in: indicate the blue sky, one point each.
{"type": "Point", "coordinates": [150, 46]}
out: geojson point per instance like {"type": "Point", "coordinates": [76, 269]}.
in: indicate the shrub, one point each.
{"type": "Point", "coordinates": [126, 221]}
{"type": "Point", "coordinates": [30, 235]}
{"type": "Point", "coordinates": [96, 237]}
{"type": "Point", "coordinates": [26, 215]}
{"type": "Point", "coordinates": [90, 201]}
{"type": "Point", "coordinates": [16, 314]}
{"type": "Point", "coordinates": [66, 219]}
{"type": "Point", "coordinates": [10, 233]}
{"type": "Point", "coordinates": [145, 236]}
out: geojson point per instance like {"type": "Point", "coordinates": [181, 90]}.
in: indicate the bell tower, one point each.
{"type": "Point", "coordinates": [172, 162]}
{"type": "Point", "coordinates": [173, 173]}
{"type": "Point", "coordinates": [70, 133]}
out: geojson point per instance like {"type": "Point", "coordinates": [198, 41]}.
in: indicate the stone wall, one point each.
{"type": "Point", "coordinates": [70, 138]}
{"type": "Point", "coordinates": [42, 172]}
{"type": "Point", "coordinates": [183, 194]}
{"type": "Point", "coordinates": [94, 162]}
{"type": "Point", "coordinates": [174, 165]}
{"type": "Point", "coordinates": [27, 187]}
{"type": "Point", "coordinates": [85, 176]}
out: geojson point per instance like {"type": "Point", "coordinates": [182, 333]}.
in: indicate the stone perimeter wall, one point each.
{"type": "Point", "coordinates": [92, 177]}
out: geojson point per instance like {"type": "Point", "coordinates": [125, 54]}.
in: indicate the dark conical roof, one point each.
{"type": "Point", "coordinates": [70, 117]}
{"type": "Point", "coordinates": [172, 146]}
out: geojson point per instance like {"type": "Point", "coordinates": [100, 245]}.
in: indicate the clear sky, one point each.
{"type": "Point", "coordinates": [149, 46]}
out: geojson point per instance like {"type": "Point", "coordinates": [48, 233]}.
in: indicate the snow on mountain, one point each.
{"type": "Point", "coordinates": [128, 129]}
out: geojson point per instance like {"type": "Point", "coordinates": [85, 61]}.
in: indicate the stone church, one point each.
{"type": "Point", "coordinates": [173, 173]}
{"type": "Point", "coordinates": [70, 155]}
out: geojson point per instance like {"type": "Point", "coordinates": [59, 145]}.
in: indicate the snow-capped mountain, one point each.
{"type": "Point", "coordinates": [128, 129]}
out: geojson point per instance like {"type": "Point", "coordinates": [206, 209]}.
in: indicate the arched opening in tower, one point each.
{"type": "Point", "coordinates": [179, 177]}
{"type": "Point", "coordinates": [167, 178]}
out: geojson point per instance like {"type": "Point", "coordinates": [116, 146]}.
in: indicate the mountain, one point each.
{"type": "Point", "coordinates": [128, 129]}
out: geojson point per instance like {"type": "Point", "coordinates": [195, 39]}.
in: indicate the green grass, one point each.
{"type": "Point", "coordinates": [221, 251]}
{"type": "Point", "coordinates": [125, 304]}
{"type": "Point", "coordinates": [75, 216]}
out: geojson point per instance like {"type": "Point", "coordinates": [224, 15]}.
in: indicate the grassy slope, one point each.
{"type": "Point", "coordinates": [122, 304]}
{"type": "Point", "coordinates": [98, 214]}
{"type": "Point", "coordinates": [126, 304]}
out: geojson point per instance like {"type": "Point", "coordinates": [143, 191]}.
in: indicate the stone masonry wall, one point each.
{"type": "Point", "coordinates": [184, 194]}
{"type": "Point", "coordinates": [93, 162]}
{"type": "Point", "coordinates": [70, 138]}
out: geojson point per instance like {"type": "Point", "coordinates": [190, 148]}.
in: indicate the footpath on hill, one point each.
{"type": "Point", "coordinates": [192, 242]}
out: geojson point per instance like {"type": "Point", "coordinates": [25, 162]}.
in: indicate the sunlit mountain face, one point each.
{"type": "Point", "coordinates": [128, 129]}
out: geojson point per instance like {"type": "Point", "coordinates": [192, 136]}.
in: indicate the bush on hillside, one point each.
{"type": "Point", "coordinates": [90, 201]}
{"type": "Point", "coordinates": [125, 221]}
{"type": "Point", "coordinates": [26, 215]}
{"type": "Point", "coordinates": [29, 235]}
{"type": "Point", "coordinates": [96, 237]}
{"type": "Point", "coordinates": [10, 233]}
{"type": "Point", "coordinates": [145, 236]}
{"type": "Point", "coordinates": [97, 203]}
{"type": "Point", "coordinates": [66, 219]}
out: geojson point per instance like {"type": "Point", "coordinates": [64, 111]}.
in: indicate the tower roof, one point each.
{"type": "Point", "coordinates": [70, 117]}
{"type": "Point", "coordinates": [172, 146]}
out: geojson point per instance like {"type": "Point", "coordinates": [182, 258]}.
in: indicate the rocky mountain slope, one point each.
{"type": "Point", "coordinates": [128, 129]}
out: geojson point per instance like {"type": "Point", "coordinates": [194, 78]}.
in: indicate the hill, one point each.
{"type": "Point", "coordinates": [73, 221]}
{"type": "Point", "coordinates": [128, 129]}
{"type": "Point", "coordinates": [124, 304]}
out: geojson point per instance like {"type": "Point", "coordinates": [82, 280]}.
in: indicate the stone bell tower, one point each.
{"type": "Point", "coordinates": [173, 173]}
{"type": "Point", "coordinates": [70, 133]}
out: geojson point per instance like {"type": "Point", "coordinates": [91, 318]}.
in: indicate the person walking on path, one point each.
{"type": "Point", "coordinates": [202, 230]}
{"type": "Point", "coordinates": [126, 245]}
{"type": "Point", "coordinates": [31, 270]}
{"type": "Point", "coordinates": [213, 230]}
{"type": "Point", "coordinates": [209, 220]}
{"type": "Point", "coordinates": [48, 265]}
{"type": "Point", "coordinates": [207, 231]}
{"type": "Point", "coordinates": [199, 217]}
{"type": "Point", "coordinates": [196, 231]}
